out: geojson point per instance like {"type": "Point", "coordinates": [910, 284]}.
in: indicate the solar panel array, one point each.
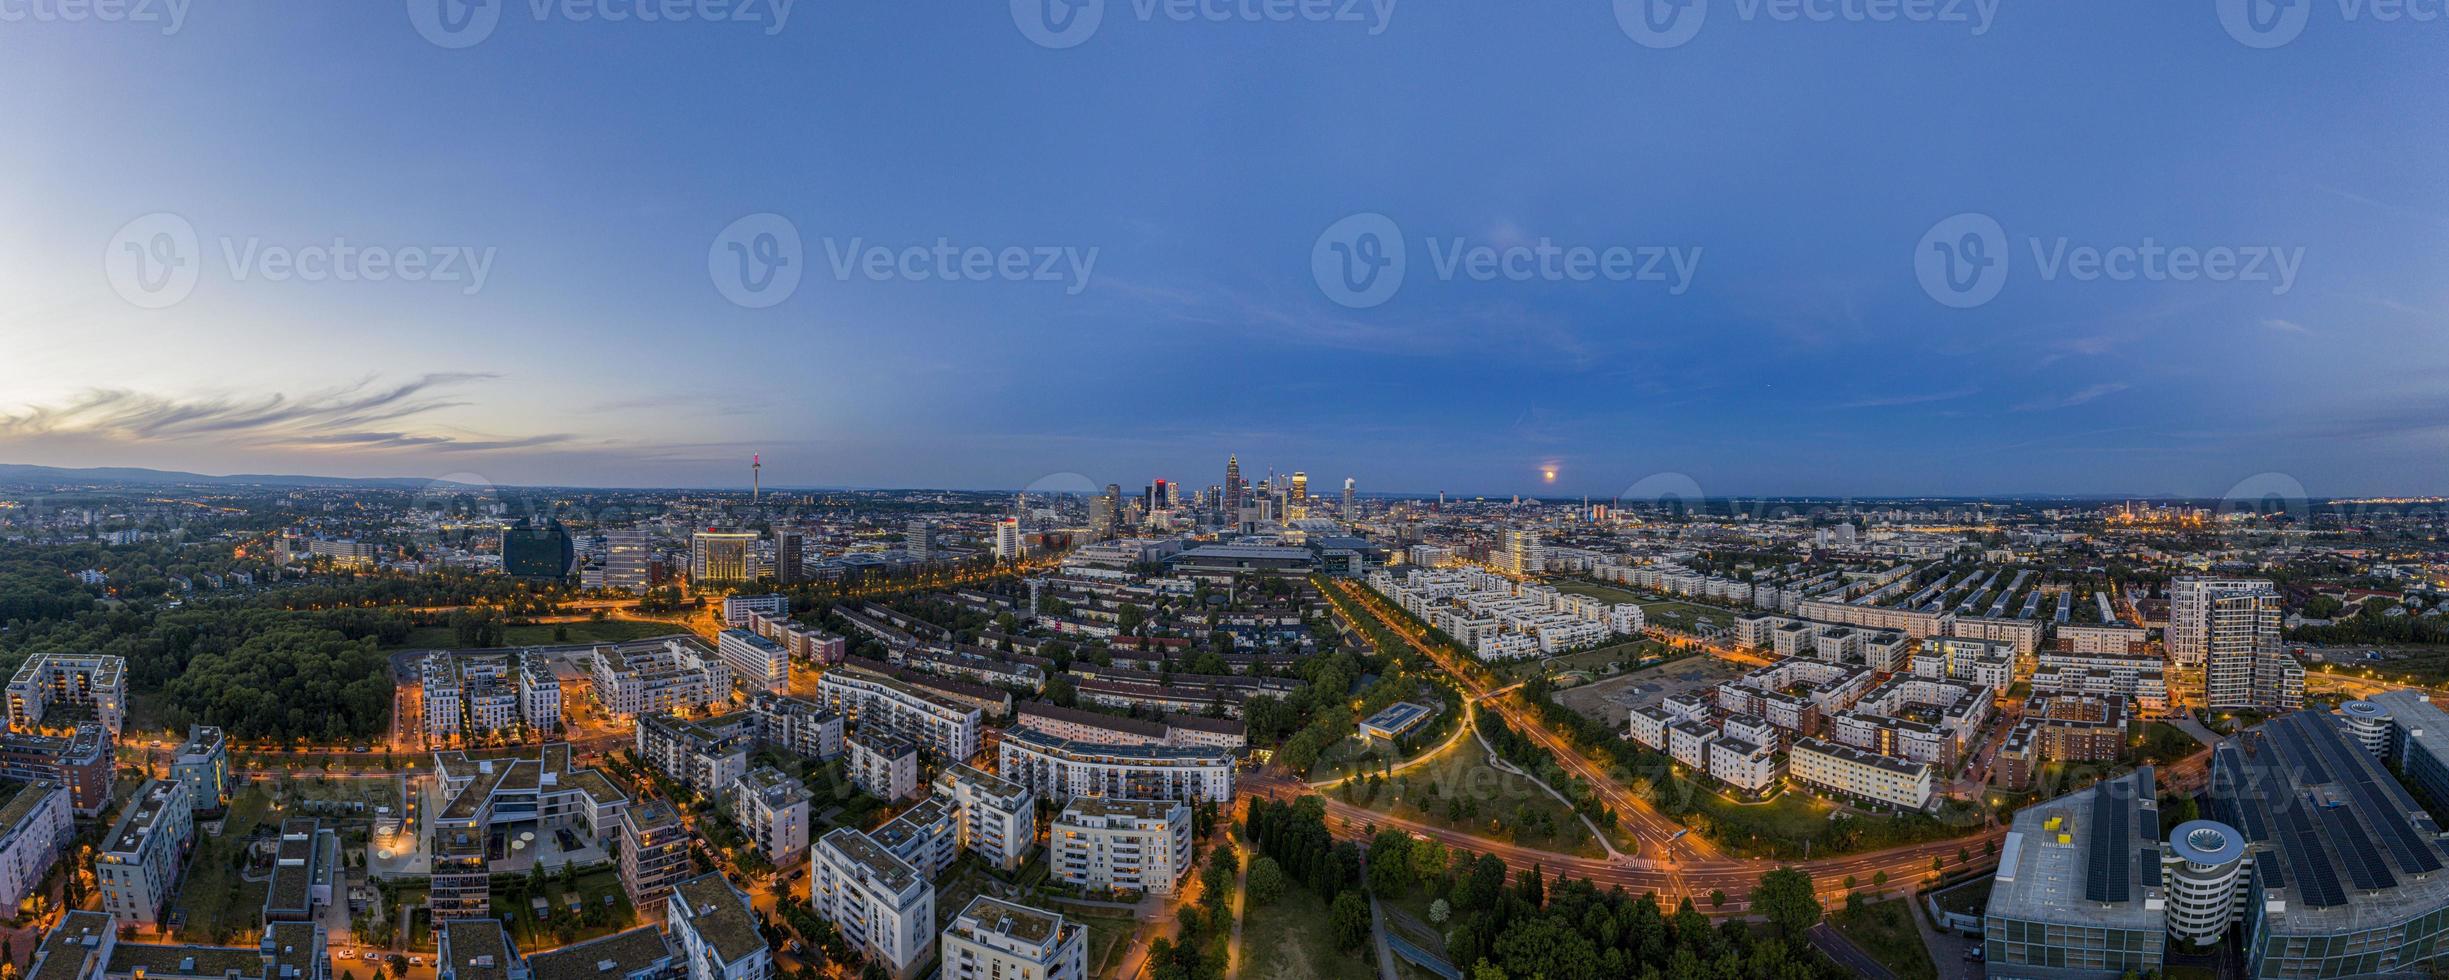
{"type": "Point", "coordinates": [2386, 815]}
{"type": "Point", "coordinates": [2110, 868]}
{"type": "Point", "coordinates": [2316, 881]}
{"type": "Point", "coordinates": [2355, 850]}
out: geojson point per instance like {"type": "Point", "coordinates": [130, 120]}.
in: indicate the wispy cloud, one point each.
{"type": "Point", "coordinates": [1893, 401]}
{"type": "Point", "coordinates": [2069, 401]}
{"type": "Point", "coordinates": [361, 417]}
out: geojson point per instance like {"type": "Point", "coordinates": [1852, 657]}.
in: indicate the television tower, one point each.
{"type": "Point", "coordinates": [756, 476]}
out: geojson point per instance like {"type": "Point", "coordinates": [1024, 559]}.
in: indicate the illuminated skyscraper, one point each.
{"type": "Point", "coordinates": [723, 556]}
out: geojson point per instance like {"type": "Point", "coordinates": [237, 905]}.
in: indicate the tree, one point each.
{"type": "Point", "coordinates": [1717, 898]}
{"type": "Point", "coordinates": [1266, 881]}
{"type": "Point", "coordinates": [1785, 896]}
{"type": "Point", "coordinates": [1439, 911]}
{"type": "Point", "coordinates": [1349, 919]}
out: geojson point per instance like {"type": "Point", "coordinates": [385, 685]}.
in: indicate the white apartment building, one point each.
{"type": "Point", "coordinates": [1688, 742]}
{"type": "Point", "coordinates": [1743, 764]}
{"type": "Point", "coordinates": [36, 824]}
{"type": "Point", "coordinates": [697, 755]}
{"type": "Point", "coordinates": [94, 683]}
{"type": "Point", "coordinates": [795, 725]}
{"type": "Point", "coordinates": [757, 663]}
{"type": "Point", "coordinates": [651, 677]}
{"type": "Point", "coordinates": [997, 817]}
{"type": "Point", "coordinates": [738, 608]}
{"type": "Point", "coordinates": [139, 862]}
{"type": "Point", "coordinates": [997, 940]}
{"type": "Point", "coordinates": [883, 907]}
{"type": "Point", "coordinates": [2230, 628]}
{"type": "Point", "coordinates": [873, 702]}
{"type": "Point", "coordinates": [1989, 663]}
{"type": "Point", "coordinates": [883, 764]}
{"type": "Point", "coordinates": [1059, 769]}
{"type": "Point", "coordinates": [715, 931]}
{"type": "Point", "coordinates": [1129, 845]}
{"type": "Point", "coordinates": [2196, 627]}
{"type": "Point", "coordinates": [772, 809]}
{"type": "Point", "coordinates": [2142, 679]}
{"type": "Point", "coordinates": [1864, 775]}
{"type": "Point", "coordinates": [539, 693]}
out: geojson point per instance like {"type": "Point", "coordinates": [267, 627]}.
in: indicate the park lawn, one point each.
{"type": "Point", "coordinates": [217, 900]}
{"type": "Point", "coordinates": [1886, 931]}
{"type": "Point", "coordinates": [592, 887]}
{"type": "Point", "coordinates": [1596, 663]}
{"type": "Point", "coordinates": [1747, 829]}
{"type": "Point", "coordinates": [1493, 796]}
{"type": "Point", "coordinates": [1670, 613]}
{"type": "Point", "coordinates": [541, 634]}
{"type": "Point", "coordinates": [2164, 743]}
{"type": "Point", "coordinates": [1289, 940]}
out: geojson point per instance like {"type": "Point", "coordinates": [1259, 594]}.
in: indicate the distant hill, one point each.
{"type": "Point", "coordinates": [20, 473]}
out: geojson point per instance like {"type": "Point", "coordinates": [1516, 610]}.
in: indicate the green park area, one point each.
{"type": "Point", "coordinates": [1463, 790]}
{"type": "Point", "coordinates": [217, 903]}
{"type": "Point", "coordinates": [577, 906]}
{"type": "Point", "coordinates": [1289, 939]}
{"type": "Point", "coordinates": [1673, 614]}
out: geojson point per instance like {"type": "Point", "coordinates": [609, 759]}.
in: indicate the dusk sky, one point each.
{"type": "Point", "coordinates": [1776, 189]}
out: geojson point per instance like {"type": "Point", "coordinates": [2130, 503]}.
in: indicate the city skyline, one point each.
{"type": "Point", "coordinates": [1773, 330]}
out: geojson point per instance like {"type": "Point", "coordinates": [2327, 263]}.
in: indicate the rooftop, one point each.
{"type": "Point", "coordinates": [871, 858]}
{"type": "Point", "coordinates": [2336, 838]}
{"type": "Point", "coordinates": [996, 917]}
{"type": "Point", "coordinates": [720, 916]}
{"type": "Point", "coordinates": [2090, 857]}
{"type": "Point", "coordinates": [610, 958]}
{"type": "Point", "coordinates": [478, 949]}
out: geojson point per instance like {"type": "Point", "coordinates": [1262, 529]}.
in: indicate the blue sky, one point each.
{"type": "Point", "coordinates": [594, 164]}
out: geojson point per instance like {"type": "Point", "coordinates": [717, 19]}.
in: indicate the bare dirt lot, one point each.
{"type": "Point", "coordinates": [1612, 699]}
